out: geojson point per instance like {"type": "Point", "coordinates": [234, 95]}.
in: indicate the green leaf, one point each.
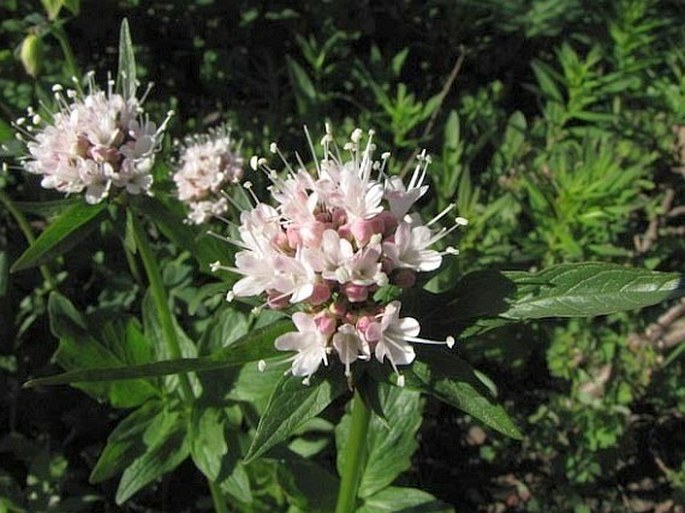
{"type": "Point", "coordinates": [64, 233]}
{"type": "Point", "coordinates": [47, 208]}
{"type": "Point", "coordinates": [52, 7]}
{"type": "Point", "coordinates": [309, 486]}
{"type": "Point", "coordinates": [404, 500]}
{"type": "Point", "coordinates": [546, 79]}
{"type": "Point", "coordinates": [125, 442]}
{"type": "Point", "coordinates": [300, 79]}
{"type": "Point", "coordinates": [155, 334]}
{"type": "Point", "coordinates": [238, 484]}
{"type": "Point", "coordinates": [73, 5]}
{"type": "Point", "coordinates": [292, 403]}
{"type": "Point", "coordinates": [588, 289]}
{"type": "Point", "coordinates": [204, 248]}
{"type": "Point", "coordinates": [129, 235]}
{"type": "Point", "coordinates": [120, 345]}
{"type": "Point", "coordinates": [390, 445]}
{"type": "Point", "coordinates": [452, 380]}
{"type": "Point", "coordinates": [166, 447]}
{"type": "Point", "coordinates": [208, 442]}
{"type": "Point", "coordinates": [126, 75]}
{"type": "Point", "coordinates": [255, 346]}
{"type": "Point", "coordinates": [6, 131]}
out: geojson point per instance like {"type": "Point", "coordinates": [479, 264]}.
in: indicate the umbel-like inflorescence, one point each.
{"type": "Point", "coordinates": [97, 142]}
{"type": "Point", "coordinates": [208, 163]}
{"type": "Point", "coordinates": [333, 238]}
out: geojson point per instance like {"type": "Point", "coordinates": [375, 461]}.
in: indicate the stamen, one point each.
{"type": "Point", "coordinates": [442, 214]}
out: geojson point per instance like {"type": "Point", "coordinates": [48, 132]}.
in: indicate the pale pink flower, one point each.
{"type": "Point", "coordinates": [333, 239]}
{"type": "Point", "coordinates": [310, 344]}
{"type": "Point", "coordinates": [350, 346]}
{"type": "Point", "coordinates": [98, 142]}
{"type": "Point", "coordinates": [208, 164]}
{"type": "Point", "coordinates": [391, 336]}
{"type": "Point", "coordinates": [410, 248]}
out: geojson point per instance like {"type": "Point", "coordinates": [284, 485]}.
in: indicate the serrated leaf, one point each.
{"type": "Point", "coordinates": [452, 380]}
{"type": "Point", "coordinates": [155, 334]}
{"type": "Point", "coordinates": [126, 74]}
{"type": "Point", "coordinates": [405, 500]}
{"type": "Point", "coordinates": [167, 445]}
{"type": "Point", "coordinates": [588, 289]}
{"type": "Point", "coordinates": [238, 484]}
{"type": "Point", "coordinates": [255, 346]}
{"type": "Point", "coordinates": [208, 442]}
{"type": "Point", "coordinates": [292, 403]}
{"type": "Point", "coordinates": [78, 351]}
{"type": "Point", "coordinates": [390, 445]}
{"type": "Point", "coordinates": [64, 233]}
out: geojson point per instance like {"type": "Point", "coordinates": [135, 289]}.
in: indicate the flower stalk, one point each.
{"type": "Point", "coordinates": [159, 296]}
{"type": "Point", "coordinates": [355, 456]}
{"type": "Point", "coordinates": [161, 301]}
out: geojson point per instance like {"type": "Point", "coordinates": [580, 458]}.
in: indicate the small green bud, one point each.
{"type": "Point", "coordinates": [31, 54]}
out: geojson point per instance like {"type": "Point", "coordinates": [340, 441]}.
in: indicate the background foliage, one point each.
{"type": "Point", "coordinates": [558, 128]}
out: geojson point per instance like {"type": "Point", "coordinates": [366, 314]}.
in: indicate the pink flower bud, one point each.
{"type": "Point", "coordinates": [339, 217]}
{"type": "Point", "coordinates": [320, 294]}
{"type": "Point", "coordinates": [356, 293]}
{"type": "Point", "coordinates": [389, 222]}
{"type": "Point", "coordinates": [363, 230]}
{"type": "Point", "coordinates": [364, 322]}
{"type": "Point", "coordinates": [281, 241]}
{"type": "Point", "coordinates": [325, 324]}
{"type": "Point", "coordinates": [344, 232]}
{"type": "Point", "coordinates": [373, 332]}
{"type": "Point", "coordinates": [294, 238]}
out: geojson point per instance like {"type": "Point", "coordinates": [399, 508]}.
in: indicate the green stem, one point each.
{"type": "Point", "coordinates": [217, 497]}
{"type": "Point", "coordinates": [25, 227]}
{"type": "Point", "coordinates": [355, 454]}
{"type": "Point", "coordinates": [159, 296]}
{"type": "Point", "coordinates": [132, 265]}
{"type": "Point", "coordinates": [161, 300]}
{"type": "Point", "coordinates": [61, 37]}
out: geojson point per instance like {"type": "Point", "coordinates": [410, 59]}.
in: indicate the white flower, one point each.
{"type": "Point", "coordinates": [259, 271]}
{"type": "Point", "coordinates": [98, 142]}
{"type": "Point", "coordinates": [410, 248]}
{"type": "Point", "coordinates": [207, 164]}
{"type": "Point", "coordinates": [392, 335]}
{"type": "Point", "coordinates": [309, 343]}
{"type": "Point", "coordinates": [334, 237]}
{"type": "Point", "coordinates": [350, 346]}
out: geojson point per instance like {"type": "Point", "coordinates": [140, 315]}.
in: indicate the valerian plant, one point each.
{"type": "Point", "coordinates": [330, 268]}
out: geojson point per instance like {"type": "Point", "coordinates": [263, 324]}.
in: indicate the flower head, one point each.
{"type": "Point", "coordinates": [332, 239]}
{"type": "Point", "coordinates": [207, 164]}
{"type": "Point", "coordinates": [96, 142]}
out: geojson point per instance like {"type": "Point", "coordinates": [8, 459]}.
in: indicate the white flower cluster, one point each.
{"type": "Point", "coordinates": [333, 239]}
{"type": "Point", "coordinates": [95, 142]}
{"type": "Point", "coordinates": [207, 164]}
